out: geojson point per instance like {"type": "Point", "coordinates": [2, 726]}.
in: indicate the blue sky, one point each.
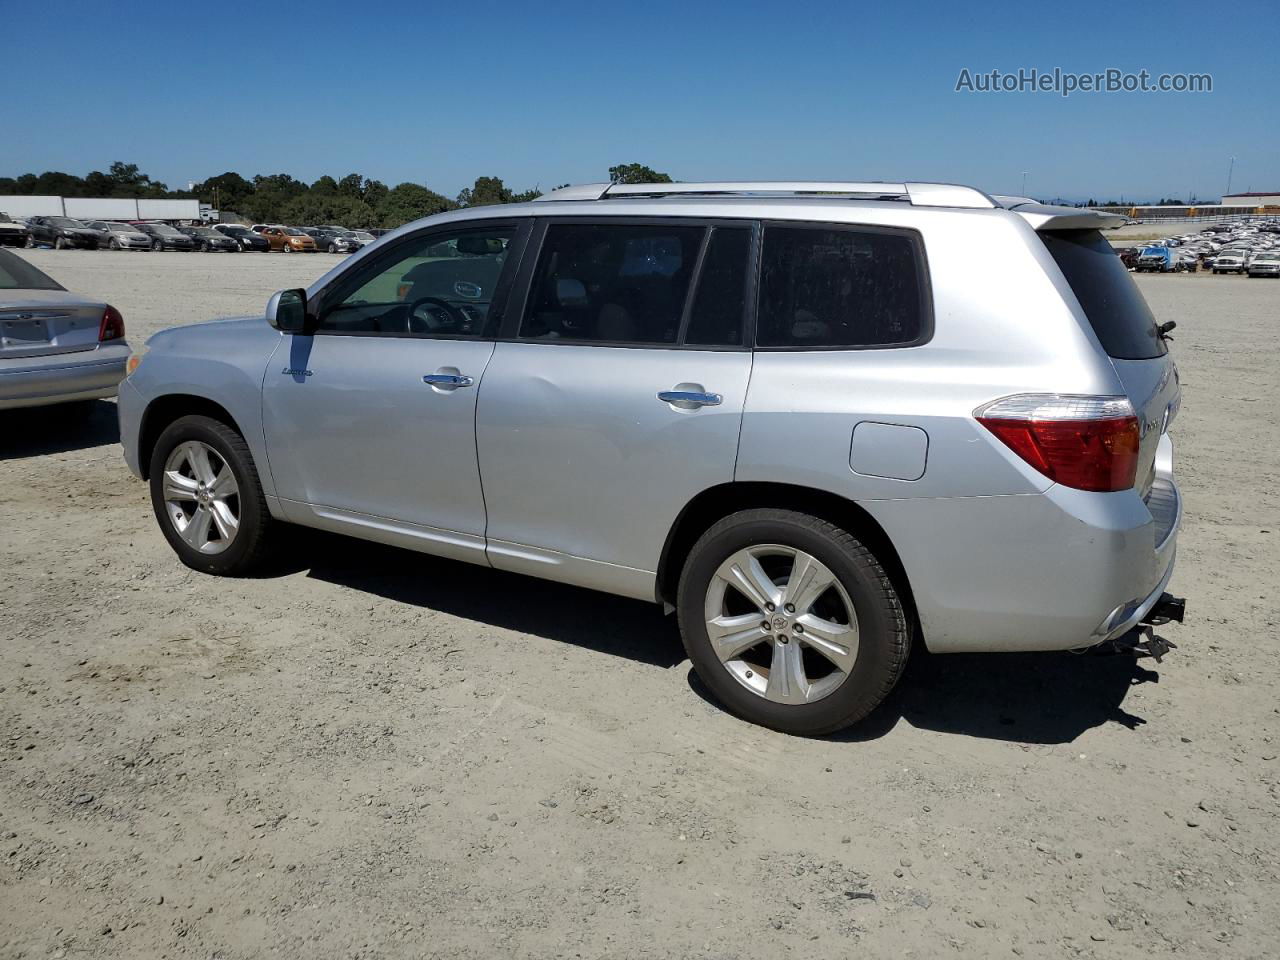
{"type": "Point", "coordinates": [542, 94]}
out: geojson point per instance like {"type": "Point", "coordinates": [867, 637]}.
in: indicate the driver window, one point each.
{"type": "Point", "coordinates": [442, 284]}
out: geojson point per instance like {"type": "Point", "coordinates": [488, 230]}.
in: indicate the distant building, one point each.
{"type": "Point", "coordinates": [1264, 199]}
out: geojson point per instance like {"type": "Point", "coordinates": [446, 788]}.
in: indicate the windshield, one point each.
{"type": "Point", "coordinates": [165, 230]}
{"type": "Point", "coordinates": [118, 227]}
{"type": "Point", "coordinates": [65, 222]}
{"type": "Point", "coordinates": [17, 274]}
{"type": "Point", "coordinates": [293, 232]}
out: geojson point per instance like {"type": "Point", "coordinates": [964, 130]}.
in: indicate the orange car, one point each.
{"type": "Point", "coordinates": [289, 239]}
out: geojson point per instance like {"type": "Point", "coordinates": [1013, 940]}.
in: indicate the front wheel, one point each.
{"type": "Point", "coordinates": [208, 499]}
{"type": "Point", "coordinates": [288, 248]}
{"type": "Point", "coordinates": [791, 622]}
{"type": "Point", "coordinates": [114, 244]}
{"type": "Point", "coordinates": [333, 248]}
{"type": "Point", "coordinates": [59, 243]}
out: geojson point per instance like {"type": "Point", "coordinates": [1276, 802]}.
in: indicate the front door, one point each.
{"type": "Point", "coordinates": [370, 421]}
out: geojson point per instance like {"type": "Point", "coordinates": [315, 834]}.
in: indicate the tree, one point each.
{"type": "Point", "coordinates": [325, 184]}
{"type": "Point", "coordinates": [227, 191]}
{"type": "Point", "coordinates": [313, 208]}
{"type": "Point", "coordinates": [409, 201]}
{"type": "Point", "coordinates": [485, 191]}
{"type": "Point", "coordinates": [636, 173]}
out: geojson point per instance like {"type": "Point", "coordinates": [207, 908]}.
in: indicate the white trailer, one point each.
{"type": "Point", "coordinates": [17, 206]}
{"type": "Point", "coordinates": [92, 208]}
{"type": "Point", "coordinates": [168, 210]}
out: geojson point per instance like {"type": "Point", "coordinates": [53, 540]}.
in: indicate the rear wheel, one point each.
{"type": "Point", "coordinates": [59, 243]}
{"type": "Point", "coordinates": [208, 499]}
{"type": "Point", "coordinates": [791, 622]}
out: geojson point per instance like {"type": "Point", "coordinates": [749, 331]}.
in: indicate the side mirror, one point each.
{"type": "Point", "coordinates": [287, 311]}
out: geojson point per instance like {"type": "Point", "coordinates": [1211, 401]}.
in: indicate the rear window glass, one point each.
{"type": "Point", "coordinates": [17, 274]}
{"type": "Point", "coordinates": [834, 288]}
{"type": "Point", "coordinates": [1110, 299]}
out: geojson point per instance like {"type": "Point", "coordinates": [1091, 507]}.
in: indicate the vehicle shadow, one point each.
{"type": "Point", "coordinates": [1031, 698]}
{"type": "Point", "coordinates": [554, 611]}
{"type": "Point", "coordinates": [37, 431]}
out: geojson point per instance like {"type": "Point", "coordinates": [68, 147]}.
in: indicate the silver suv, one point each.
{"type": "Point", "coordinates": [820, 421]}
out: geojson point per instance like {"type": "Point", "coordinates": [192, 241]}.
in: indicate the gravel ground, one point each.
{"type": "Point", "coordinates": [378, 754]}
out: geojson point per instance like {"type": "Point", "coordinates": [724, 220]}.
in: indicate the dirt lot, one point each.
{"type": "Point", "coordinates": [378, 754]}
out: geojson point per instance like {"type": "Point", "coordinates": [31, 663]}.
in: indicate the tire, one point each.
{"type": "Point", "coordinates": [248, 551]}
{"type": "Point", "coordinates": [31, 242]}
{"type": "Point", "coordinates": [883, 635]}
{"type": "Point", "coordinates": [59, 243]}
{"type": "Point", "coordinates": [287, 248]}
{"type": "Point", "coordinates": [114, 244]}
{"type": "Point", "coordinates": [333, 248]}
{"type": "Point", "coordinates": [157, 246]}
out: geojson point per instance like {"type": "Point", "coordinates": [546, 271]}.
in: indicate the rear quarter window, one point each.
{"type": "Point", "coordinates": [830, 287]}
{"type": "Point", "coordinates": [1120, 317]}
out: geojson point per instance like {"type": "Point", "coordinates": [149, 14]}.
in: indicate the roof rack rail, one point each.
{"type": "Point", "coordinates": [917, 194]}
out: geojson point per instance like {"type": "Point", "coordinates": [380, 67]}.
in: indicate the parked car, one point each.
{"type": "Point", "coordinates": [1266, 264]}
{"type": "Point", "coordinates": [1231, 262]}
{"type": "Point", "coordinates": [12, 233]}
{"type": "Point", "coordinates": [207, 239]}
{"type": "Point", "coordinates": [819, 431]}
{"type": "Point", "coordinates": [122, 236]}
{"type": "Point", "coordinates": [377, 232]}
{"type": "Point", "coordinates": [333, 241]}
{"type": "Point", "coordinates": [1128, 256]}
{"type": "Point", "coordinates": [1156, 260]}
{"type": "Point", "coordinates": [165, 237]}
{"type": "Point", "coordinates": [63, 233]}
{"type": "Point", "coordinates": [246, 238]}
{"type": "Point", "coordinates": [55, 346]}
{"type": "Point", "coordinates": [289, 239]}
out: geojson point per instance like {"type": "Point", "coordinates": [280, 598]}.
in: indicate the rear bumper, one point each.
{"type": "Point", "coordinates": [62, 378]}
{"type": "Point", "coordinates": [1059, 570]}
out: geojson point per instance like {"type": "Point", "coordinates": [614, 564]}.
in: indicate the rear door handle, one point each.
{"type": "Point", "coordinates": [690, 399]}
{"type": "Point", "coordinates": [448, 380]}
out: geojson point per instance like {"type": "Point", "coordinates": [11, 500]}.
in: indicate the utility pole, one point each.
{"type": "Point", "coordinates": [1024, 183]}
{"type": "Point", "coordinates": [1230, 170]}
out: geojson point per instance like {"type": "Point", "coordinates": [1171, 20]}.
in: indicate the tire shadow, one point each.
{"type": "Point", "coordinates": [38, 431]}
{"type": "Point", "coordinates": [553, 611]}
{"type": "Point", "coordinates": [1031, 698]}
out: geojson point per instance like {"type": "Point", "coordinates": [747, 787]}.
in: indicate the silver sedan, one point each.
{"type": "Point", "coordinates": [55, 346]}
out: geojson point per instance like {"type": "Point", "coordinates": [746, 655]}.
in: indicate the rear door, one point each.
{"type": "Point", "coordinates": [1127, 331]}
{"type": "Point", "coordinates": [615, 395]}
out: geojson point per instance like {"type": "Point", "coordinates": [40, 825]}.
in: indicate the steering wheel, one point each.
{"type": "Point", "coordinates": [459, 318]}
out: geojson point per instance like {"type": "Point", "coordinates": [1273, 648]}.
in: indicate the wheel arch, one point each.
{"type": "Point", "coordinates": [164, 410]}
{"type": "Point", "coordinates": [717, 502]}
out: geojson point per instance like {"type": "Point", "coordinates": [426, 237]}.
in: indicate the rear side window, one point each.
{"type": "Point", "coordinates": [840, 288]}
{"type": "Point", "coordinates": [1110, 299]}
{"type": "Point", "coordinates": [612, 283]}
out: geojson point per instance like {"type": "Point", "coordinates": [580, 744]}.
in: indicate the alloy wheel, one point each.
{"type": "Point", "coordinates": [201, 497]}
{"type": "Point", "coordinates": [781, 624]}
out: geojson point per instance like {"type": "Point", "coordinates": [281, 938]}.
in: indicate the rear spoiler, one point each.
{"type": "Point", "coordinates": [1042, 216]}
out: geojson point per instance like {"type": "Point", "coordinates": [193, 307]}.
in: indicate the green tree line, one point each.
{"type": "Point", "coordinates": [353, 200]}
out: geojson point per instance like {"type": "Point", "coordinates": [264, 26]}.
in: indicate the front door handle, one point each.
{"type": "Point", "coordinates": [448, 380]}
{"type": "Point", "coordinates": [690, 399]}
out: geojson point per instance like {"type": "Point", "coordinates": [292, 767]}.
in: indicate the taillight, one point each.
{"type": "Point", "coordinates": [111, 327]}
{"type": "Point", "coordinates": [1089, 443]}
